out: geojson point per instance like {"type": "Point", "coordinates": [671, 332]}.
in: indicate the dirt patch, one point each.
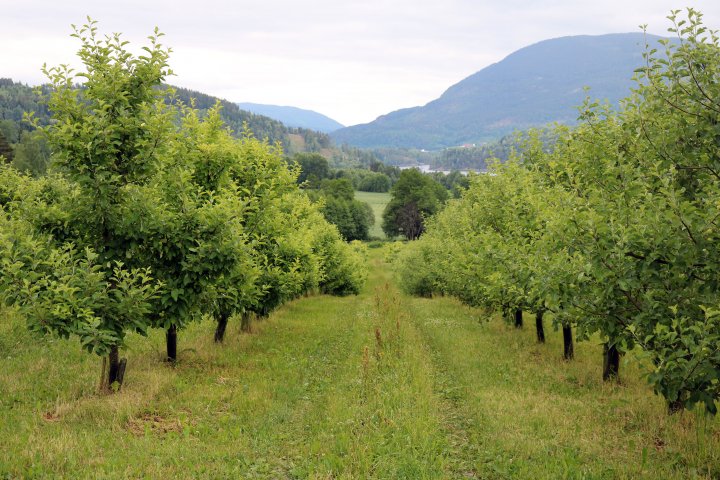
{"type": "Point", "coordinates": [156, 424]}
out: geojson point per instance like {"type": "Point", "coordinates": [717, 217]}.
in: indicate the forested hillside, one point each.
{"type": "Point", "coordinates": [17, 98]}
{"type": "Point", "coordinates": [534, 86]}
{"type": "Point", "coordinates": [262, 127]}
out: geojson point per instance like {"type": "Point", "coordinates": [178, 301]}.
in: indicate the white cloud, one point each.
{"type": "Point", "coordinates": [352, 61]}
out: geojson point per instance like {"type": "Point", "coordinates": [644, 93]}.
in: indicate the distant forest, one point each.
{"type": "Point", "coordinates": [22, 145]}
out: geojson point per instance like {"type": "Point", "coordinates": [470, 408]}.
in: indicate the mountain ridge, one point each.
{"type": "Point", "coordinates": [533, 86]}
{"type": "Point", "coordinates": [294, 116]}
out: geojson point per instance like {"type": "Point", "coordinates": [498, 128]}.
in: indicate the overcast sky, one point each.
{"type": "Point", "coordinates": [352, 61]}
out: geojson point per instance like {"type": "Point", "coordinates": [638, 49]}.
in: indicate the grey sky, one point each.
{"type": "Point", "coordinates": [352, 61]}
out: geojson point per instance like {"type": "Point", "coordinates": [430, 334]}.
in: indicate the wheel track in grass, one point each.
{"type": "Point", "coordinates": [460, 424]}
{"type": "Point", "coordinates": [320, 350]}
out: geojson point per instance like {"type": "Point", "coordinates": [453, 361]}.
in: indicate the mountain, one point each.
{"type": "Point", "coordinates": [533, 86]}
{"type": "Point", "coordinates": [294, 117]}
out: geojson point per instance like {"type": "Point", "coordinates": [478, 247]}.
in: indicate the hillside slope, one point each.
{"type": "Point", "coordinates": [533, 86]}
{"type": "Point", "coordinates": [17, 98]}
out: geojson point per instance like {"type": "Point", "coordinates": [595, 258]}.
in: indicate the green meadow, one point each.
{"type": "Point", "coordinates": [377, 201]}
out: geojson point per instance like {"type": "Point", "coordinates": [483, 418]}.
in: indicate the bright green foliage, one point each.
{"type": "Point", "coordinates": [195, 242]}
{"type": "Point", "coordinates": [153, 214]}
{"type": "Point", "coordinates": [343, 265]}
{"type": "Point", "coordinates": [353, 218]}
{"type": "Point", "coordinates": [65, 292]}
{"type": "Point", "coordinates": [106, 138]}
{"type": "Point", "coordinates": [414, 197]}
{"type": "Point", "coordinates": [616, 227]}
{"type": "Point", "coordinates": [294, 247]}
{"type": "Point", "coordinates": [332, 266]}
{"type": "Point", "coordinates": [273, 204]}
{"type": "Point", "coordinates": [416, 268]}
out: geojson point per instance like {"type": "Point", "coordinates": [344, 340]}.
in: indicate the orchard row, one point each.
{"type": "Point", "coordinates": [612, 228]}
{"type": "Point", "coordinates": [152, 217]}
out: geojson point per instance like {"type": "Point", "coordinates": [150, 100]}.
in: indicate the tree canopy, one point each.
{"type": "Point", "coordinates": [414, 197]}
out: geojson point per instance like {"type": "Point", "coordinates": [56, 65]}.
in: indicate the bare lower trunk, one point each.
{"type": "Point", "coordinates": [220, 329]}
{"type": "Point", "coordinates": [507, 313]}
{"type": "Point", "coordinates": [611, 362]}
{"type": "Point", "coordinates": [121, 372]}
{"type": "Point", "coordinates": [171, 341]}
{"type": "Point", "coordinates": [113, 365]}
{"type": "Point", "coordinates": [675, 406]}
{"type": "Point", "coordinates": [539, 326]}
{"type": "Point", "coordinates": [246, 322]}
{"type": "Point", "coordinates": [568, 350]}
{"type": "Point", "coordinates": [115, 370]}
{"type": "Point", "coordinates": [518, 318]}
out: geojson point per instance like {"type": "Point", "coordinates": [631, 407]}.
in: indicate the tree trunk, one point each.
{"type": "Point", "coordinates": [121, 372]}
{"type": "Point", "coordinates": [539, 326]}
{"type": "Point", "coordinates": [611, 362]}
{"type": "Point", "coordinates": [115, 371]}
{"type": "Point", "coordinates": [245, 322]}
{"type": "Point", "coordinates": [171, 340]}
{"type": "Point", "coordinates": [518, 318]}
{"type": "Point", "coordinates": [675, 406]}
{"type": "Point", "coordinates": [568, 351]}
{"type": "Point", "coordinates": [113, 366]}
{"type": "Point", "coordinates": [220, 329]}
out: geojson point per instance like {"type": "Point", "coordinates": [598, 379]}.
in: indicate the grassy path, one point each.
{"type": "Point", "coordinates": [517, 410]}
{"type": "Point", "coordinates": [374, 386]}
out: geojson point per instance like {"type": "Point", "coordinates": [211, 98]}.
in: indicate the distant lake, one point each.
{"type": "Point", "coordinates": [428, 169]}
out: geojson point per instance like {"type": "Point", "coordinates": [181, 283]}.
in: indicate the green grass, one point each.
{"type": "Point", "coordinates": [374, 386]}
{"type": "Point", "coordinates": [377, 201]}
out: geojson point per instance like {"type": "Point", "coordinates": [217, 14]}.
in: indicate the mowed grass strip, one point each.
{"type": "Point", "coordinates": [521, 411]}
{"type": "Point", "coordinates": [383, 420]}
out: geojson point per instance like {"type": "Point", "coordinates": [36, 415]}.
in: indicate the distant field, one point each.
{"type": "Point", "coordinates": [377, 201]}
